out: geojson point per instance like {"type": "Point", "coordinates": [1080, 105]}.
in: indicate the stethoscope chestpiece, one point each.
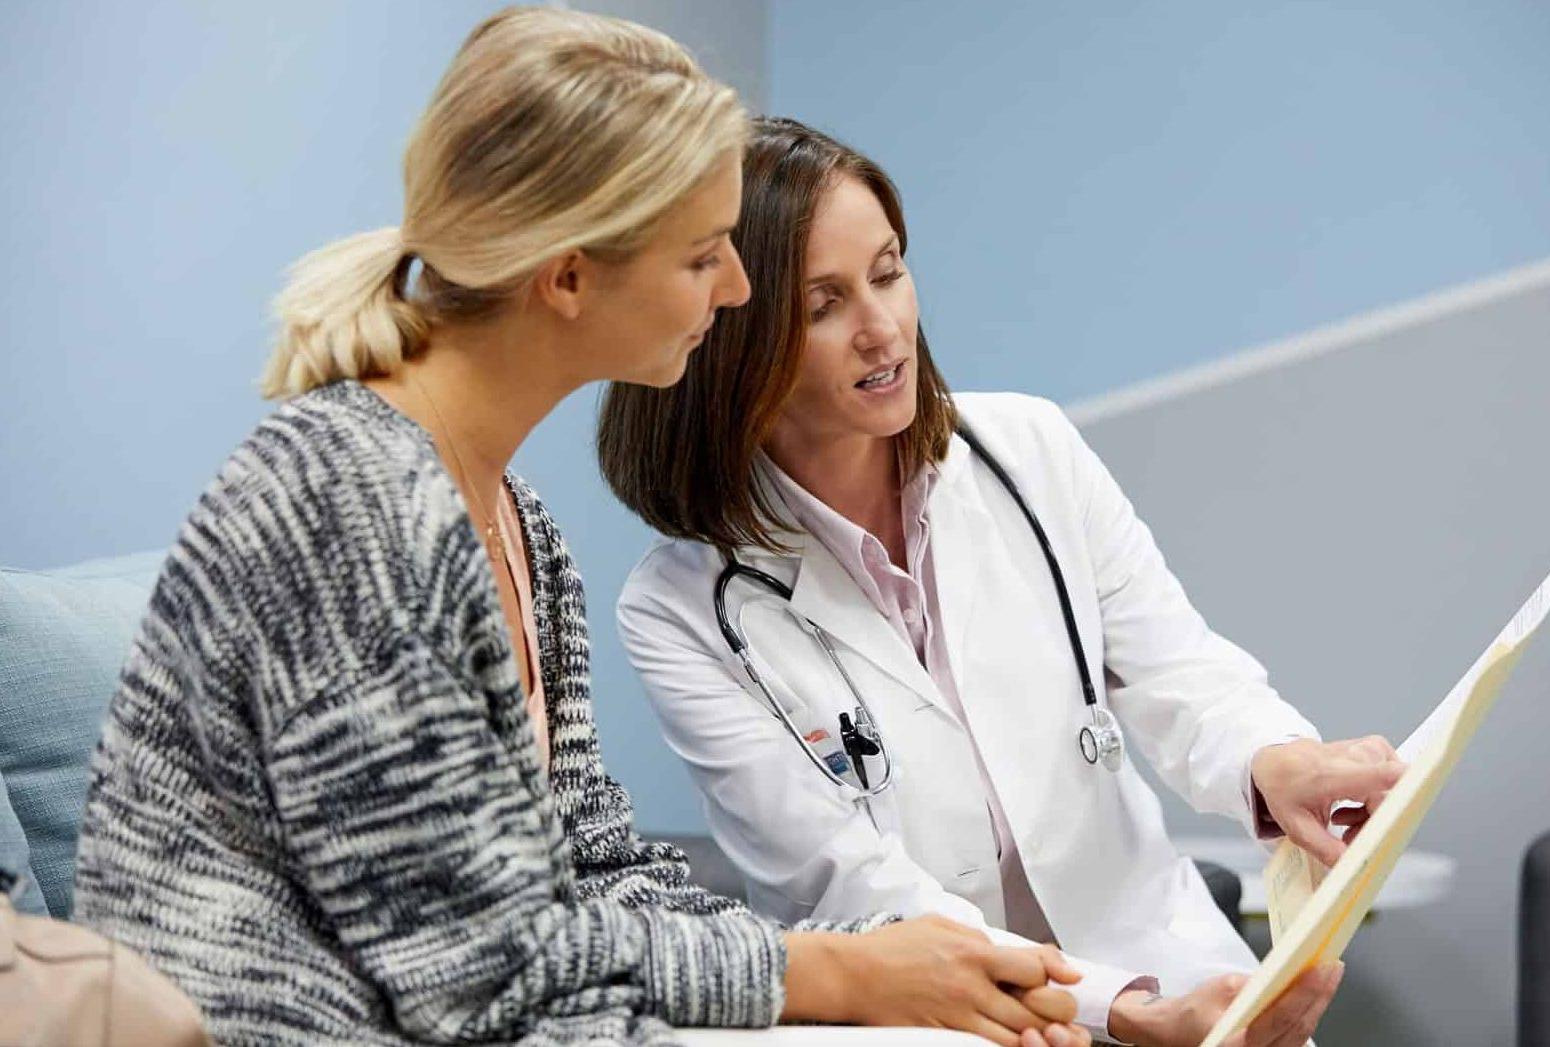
{"type": "Point", "coordinates": [1101, 740]}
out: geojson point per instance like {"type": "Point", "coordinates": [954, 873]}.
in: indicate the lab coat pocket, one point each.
{"type": "Point", "coordinates": [791, 662]}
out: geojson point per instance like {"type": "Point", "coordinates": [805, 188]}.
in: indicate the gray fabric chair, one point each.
{"type": "Point", "coordinates": [1534, 947]}
{"type": "Point", "coordinates": [711, 869]}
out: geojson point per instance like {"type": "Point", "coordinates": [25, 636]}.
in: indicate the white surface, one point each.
{"type": "Point", "coordinates": [1419, 879]}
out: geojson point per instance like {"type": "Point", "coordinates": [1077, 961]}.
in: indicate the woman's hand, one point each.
{"type": "Point", "coordinates": [1149, 1020]}
{"type": "Point", "coordinates": [1301, 781]}
{"type": "Point", "coordinates": [935, 973]}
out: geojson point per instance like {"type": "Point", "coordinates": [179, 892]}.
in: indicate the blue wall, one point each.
{"type": "Point", "coordinates": [165, 162]}
{"type": "Point", "coordinates": [1103, 192]}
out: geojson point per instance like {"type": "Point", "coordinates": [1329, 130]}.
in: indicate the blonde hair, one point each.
{"type": "Point", "coordinates": [553, 130]}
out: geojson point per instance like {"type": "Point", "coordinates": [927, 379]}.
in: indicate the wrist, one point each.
{"type": "Point", "coordinates": [820, 970]}
{"type": "Point", "coordinates": [1134, 1015]}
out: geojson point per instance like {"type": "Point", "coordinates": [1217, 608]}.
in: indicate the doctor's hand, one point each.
{"type": "Point", "coordinates": [1302, 780]}
{"type": "Point", "coordinates": [936, 973]}
{"type": "Point", "coordinates": [1149, 1020]}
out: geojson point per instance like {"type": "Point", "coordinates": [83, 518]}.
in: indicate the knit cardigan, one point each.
{"type": "Point", "coordinates": [318, 806]}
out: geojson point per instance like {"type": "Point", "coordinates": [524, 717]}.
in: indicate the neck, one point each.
{"type": "Point", "coordinates": [479, 390]}
{"type": "Point", "coordinates": [856, 476]}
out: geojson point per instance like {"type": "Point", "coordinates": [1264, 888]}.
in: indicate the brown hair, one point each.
{"type": "Point", "coordinates": [682, 457]}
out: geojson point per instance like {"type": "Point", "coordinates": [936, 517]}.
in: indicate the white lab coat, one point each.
{"type": "Point", "coordinates": [1092, 842]}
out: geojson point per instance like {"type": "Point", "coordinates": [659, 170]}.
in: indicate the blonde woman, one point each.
{"type": "Point", "coordinates": [350, 788]}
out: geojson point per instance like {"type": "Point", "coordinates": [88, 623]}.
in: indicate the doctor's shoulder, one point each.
{"type": "Point", "coordinates": [672, 575]}
{"type": "Point", "coordinates": [1021, 426]}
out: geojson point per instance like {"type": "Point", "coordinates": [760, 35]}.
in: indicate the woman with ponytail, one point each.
{"type": "Point", "coordinates": [349, 790]}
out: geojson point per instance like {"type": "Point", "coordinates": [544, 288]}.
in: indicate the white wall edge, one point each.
{"type": "Point", "coordinates": [1317, 342]}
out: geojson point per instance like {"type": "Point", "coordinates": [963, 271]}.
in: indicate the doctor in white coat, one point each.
{"type": "Point", "coordinates": [813, 440]}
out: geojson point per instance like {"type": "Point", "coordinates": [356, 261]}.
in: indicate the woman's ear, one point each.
{"type": "Point", "coordinates": [561, 283]}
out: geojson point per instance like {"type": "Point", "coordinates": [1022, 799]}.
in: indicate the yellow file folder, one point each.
{"type": "Point", "coordinates": [1314, 912]}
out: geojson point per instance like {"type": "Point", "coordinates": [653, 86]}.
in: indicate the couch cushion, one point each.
{"type": "Point", "coordinates": [63, 637]}
{"type": "Point", "coordinates": [16, 859]}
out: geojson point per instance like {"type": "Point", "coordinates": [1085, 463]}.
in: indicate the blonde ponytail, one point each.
{"type": "Point", "coordinates": [343, 315]}
{"type": "Point", "coordinates": [552, 130]}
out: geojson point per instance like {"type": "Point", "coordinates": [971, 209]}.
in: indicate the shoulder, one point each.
{"type": "Point", "coordinates": [334, 492]}
{"type": "Point", "coordinates": [1012, 415]}
{"type": "Point", "coordinates": [670, 565]}
{"type": "Point", "coordinates": [1022, 429]}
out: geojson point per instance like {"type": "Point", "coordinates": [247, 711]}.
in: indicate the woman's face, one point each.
{"type": "Point", "coordinates": [856, 375]}
{"type": "Point", "coordinates": [654, 309]}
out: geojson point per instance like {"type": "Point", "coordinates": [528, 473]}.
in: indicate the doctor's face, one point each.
{"type": "Point", "coordinates": [856, 373]}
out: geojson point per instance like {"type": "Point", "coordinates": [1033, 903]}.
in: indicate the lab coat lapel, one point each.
{"type": "Point", "coordinates": [826, 594]}
{"type": "Point", "coordinates": [957, 514]}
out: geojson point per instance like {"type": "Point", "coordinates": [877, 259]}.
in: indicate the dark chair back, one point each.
{"type": "Point", "coordinates": [1534, 947]}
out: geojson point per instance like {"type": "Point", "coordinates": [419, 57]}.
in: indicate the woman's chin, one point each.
{"type": "Point", "coordinates": [666, 371]}
{"type": "Point", "coordinates": [886, 423]}
{"type": "Point", "coordinates": [890, 417]}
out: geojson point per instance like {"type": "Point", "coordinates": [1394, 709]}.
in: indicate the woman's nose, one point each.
{"type": "Point", "coordinates": [876, 328]}
{"type": "Point", "coordinates": [737, 289]}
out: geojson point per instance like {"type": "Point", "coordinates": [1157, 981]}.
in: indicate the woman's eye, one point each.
{"type": "Point", "coordinates": [708, 262]}
{"type": "Point", "coordinates": [822, 311]}
{"type": "Point", "coordinates": [888, 278]}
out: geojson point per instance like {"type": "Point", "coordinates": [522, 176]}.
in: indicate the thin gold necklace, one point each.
{"type": "Point", "coordinates": [491, 527]}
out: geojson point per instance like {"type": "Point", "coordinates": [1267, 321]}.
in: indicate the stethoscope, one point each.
{"type": "Point", "coordinates": [1100, 740]}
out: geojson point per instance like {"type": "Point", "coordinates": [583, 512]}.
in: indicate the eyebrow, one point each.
{"type": "Point", "coordinates": [829, 278]}
{"type": "Point", "coordinates": [717, 235]}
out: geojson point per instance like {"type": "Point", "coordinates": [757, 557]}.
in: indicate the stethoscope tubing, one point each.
{"type": "Point", "coordinates": [1099, 741]}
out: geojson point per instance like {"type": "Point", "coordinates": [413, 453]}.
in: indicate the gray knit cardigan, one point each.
{"type": "Point", "coordinates": [318, 805]}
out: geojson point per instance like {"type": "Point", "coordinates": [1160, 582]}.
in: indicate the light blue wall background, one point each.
{"type": "Point", "coordinates": [1098, 193]}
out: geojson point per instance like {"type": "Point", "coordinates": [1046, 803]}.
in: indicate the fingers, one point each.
{"type": "Point", "coordinates": [1299, 1033]}
{"type": "Point", "coordinates": [1058, 968]}
{"type": "Point", "coordinates": [1051, 1004]}
{"type": "Point", "coordinates": [1033, 1038]}
{"type": "Point", "coordinates": [1357, 779]}
{"type": "Point", "coordinates": [1021, 968]}
{"type": "Point", "coordinates": [1309, 833]}
{"type": "Point", "coordinates": [1009, 1010]}
{"type": "Point", "coordinates": [984, 1028]}
{"type": "Point", "coordinates": [1374, 749]}
{"type": "Point", "coordinates": [1290, 1021]}
{"type": "Point", "coordinates": [1067, 1036]}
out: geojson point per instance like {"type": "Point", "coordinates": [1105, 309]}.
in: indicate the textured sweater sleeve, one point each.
{"type": "Point", "coordinates": [430, 855]}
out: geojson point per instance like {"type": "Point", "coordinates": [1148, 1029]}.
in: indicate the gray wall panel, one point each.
{"type": "Point", "coordinates": [1364, 520]}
